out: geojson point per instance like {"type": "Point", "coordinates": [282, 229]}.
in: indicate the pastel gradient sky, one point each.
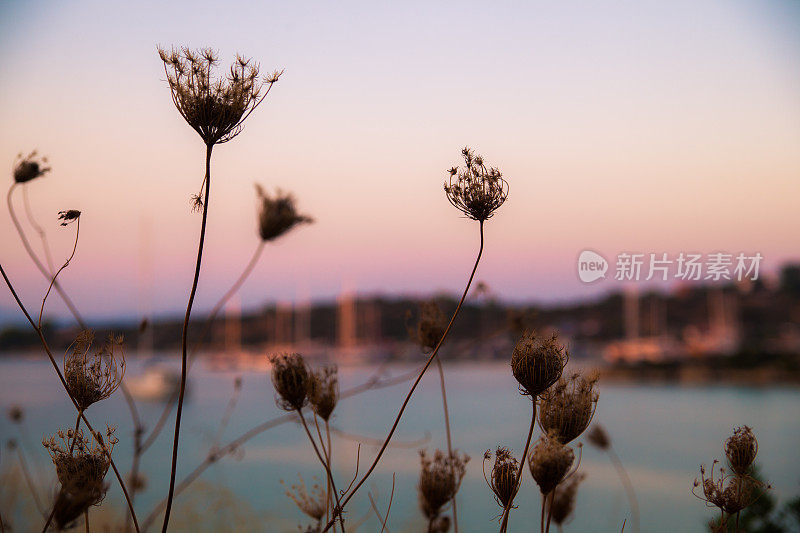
{"type": "Point", "coordinates": [644, 126]}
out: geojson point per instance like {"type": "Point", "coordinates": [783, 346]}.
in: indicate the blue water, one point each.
{"type": "Point", "coordinates": [661, 433]}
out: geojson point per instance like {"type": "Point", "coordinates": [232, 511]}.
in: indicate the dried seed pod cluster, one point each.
{"type": "Point", "coordinates": [290, 377]}
{"type": "Point", "coordinates": [731, 492]}
{"type": "Point", "coordinates": [277, 215]}
{"type": "Point", "coordinates": [81, 462]}
{"type": "Point", "coordinates": [431, 326]}
{"type": "Point", "coordinates": [549, 463]}
{"type": "Point", "coordinates": [313, 502]}
{"type": "Point", "coordinates": [568, 407]}
{"type": "Point", "coordinates": [215, 107]}
{"type": "Point", "coordinates": [323, 391]}
{"type": "Point", "coordinates": [30, 167]}
{"type": "Point", "coordinates": [537, 363]}
{"type": "Point", "coordinates": [503, 477]}
{"type": "Point", "coordinates": [475, 189]}
{"type": "Point", "coordinates": [439, 480]}
{"type": "Point", "coordinates": [93, 377]}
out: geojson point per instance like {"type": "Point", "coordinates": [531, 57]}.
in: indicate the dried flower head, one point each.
{"type": "Point", "coordinates": [290, 379]}
{"type": "Point", "coordinates": [215, 107]}
{"type": "Point", "coordinates": [277, 215]}
{"type": "Point", "coordinates": [313, 503]}
{"type": "Point", "coordinates": [503, 479]}
{"type": "Point", "coordinates": [16, 414]}
{"type": "Point", "coordinates": [741, 449]}
{"type": "Point", "coordinates": [476, 190]}
{"type": "Point", "coordinates": [537, 362]}
{"type": "Point", "coordinates": [431, 326]}
{"type": "Point", "coordinates": [563, 503]}
{"type": "Point", "coordinates": [439, 480]}
{"type": "Point", "coordinates": [68, 216]}
{"type": "Point", "coordinates": [731, 493]}
{"type": "Point", "coordinates": [95, 377]}
{"type": "Point", "coordinates": [598, 436]}
{"type": "Point", "coordinates": [81, 463]}
{"type": "Point", "coordinates": [549, 463]}
{"type": "Point", "coordinates": [568, 407]}
{"type": "Point", "coordinates": [323, 391]}
{"type": "Point", "coordinates": [29, 167]}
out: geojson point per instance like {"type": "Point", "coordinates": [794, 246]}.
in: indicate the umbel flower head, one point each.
{"type": "Point", "coordinates": [323, 391]}
{"type": "Point", "coordinates": [475, 189]}
{"type": "Point", "coordinates": [290, 378]}
{"type": "Point", "coordinates": [731, 493]}
{"type": "Point", "coordinates": [568, 406]}
{"type": "Point", "coordinates": [549, 463]}
{"type": "Point", "coordinates": [30, 167]}
{"type": "Point", "coordinates": [95, 377]}
{"type": "Point", "coordinates": [503, 478]}
{"type": "Point", "coordinates": [431, 326]}
{"type": "Point", "coordinates": [439, 480]}
{"type": "Point", "coordinates": [563, 503]}
{"type": "Point", "coordinates": [66, 217]}
{"type": "Point", "coordinates": [215, 107]}
{"type": "Point", "coordinates": [537, 362]}
{"type": "Point", "coordinates": [312, 502]}
{"type": "Point", "coordinates": [277, 215]}
{"type": "Point", "coordinates": [81, 464]}
{"type": "Point", "coordinates": [741, 449]}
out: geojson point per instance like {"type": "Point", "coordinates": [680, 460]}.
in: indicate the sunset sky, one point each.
{"type": "Point", "coordinates": [620, 126]}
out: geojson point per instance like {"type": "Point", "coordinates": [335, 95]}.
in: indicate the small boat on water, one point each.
{"type": "Point", "coordinates": [155, 384]}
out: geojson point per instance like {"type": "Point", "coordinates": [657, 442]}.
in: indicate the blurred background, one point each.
{"type": "Point", "coordinates": [644, 127]}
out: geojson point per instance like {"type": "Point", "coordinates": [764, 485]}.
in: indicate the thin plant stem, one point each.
{"type": "Point", "coordinates": [50, 517]}
{"type": "Point", "coordinates": [49, 352]}
{"type": "Point", "coordinates": [544, 501]}
{"type": "Point", "coordinates": [326, 455]}
{"type": "Point", "coordinates": [324, 464]}
{"type": "Point", "coordinates": [629, 490]}
{"type": "Point", "coordinates": [38, 228]}
{"type": "Point", "coordinates": [184, 339]}
{"type": "Point", "coordinates": [413, 387]}
{"type": "Point", "coordinates": [65, 265]}
{"type": "Point", "coordinates": [517, 483]}
{"type": "Point", "coordinates": [550, 512]}
{"type": "Point", "coordinates": [371, 384]}
{"type": "Point", "coordinates": [29, 481]}
{"type": "Point", "coordinates": [447, 430]}
{"type": "Point", "coordinates": [330, 455]}
{"type": "Point", "coordinates": [86, 519]}
{"type": "Point", "coordinates": [75, 435]}
{"type": "Point", "coordinates": [162, 420]}
{"type": "Point", "coordinates": [47, 274]}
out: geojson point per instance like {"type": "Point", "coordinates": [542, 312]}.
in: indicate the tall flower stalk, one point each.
{"type": "Point", "coordinates": [477, 191]}
{"type": "Point", "coordinates": [216, 108]}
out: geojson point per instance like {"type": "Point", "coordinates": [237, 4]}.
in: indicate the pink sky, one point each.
{"type": "Point", "coordinates": [651, 127]}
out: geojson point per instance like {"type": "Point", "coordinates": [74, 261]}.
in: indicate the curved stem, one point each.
{"type": "Point", "coordinates": [371, 384]}
{"type": "Point", "coordinates": [550, 512]}
{"type": "Point", "coordinates": [544, 501]}
{"type": "Point", "coordinates": [413, 387]}
{"type": "Point", "coordinates": [46, 273]}
{"type": "Point", "coordinates": [324, 464]}
{"type": "Point", "coordinates": [71, 397]}
{"type": "Point", "coordinates": [447, 430]}
{"type": "Point", "coordinates": [507, 509]}
{"type": "Point", "coordinates": [162, 420]}
{"type": "Point", "coordinates": [38, 228]}
{"type": "Point", "coordinates": [626, 481]}
{"type": "Point", "coordinates": [65, 265]}
{"type": "Point", "coordinates": [29, 481]}
{"type": "Point", "coordinates": [86, 519]}
{"type": "Point", "coordinates": [184, 340]}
